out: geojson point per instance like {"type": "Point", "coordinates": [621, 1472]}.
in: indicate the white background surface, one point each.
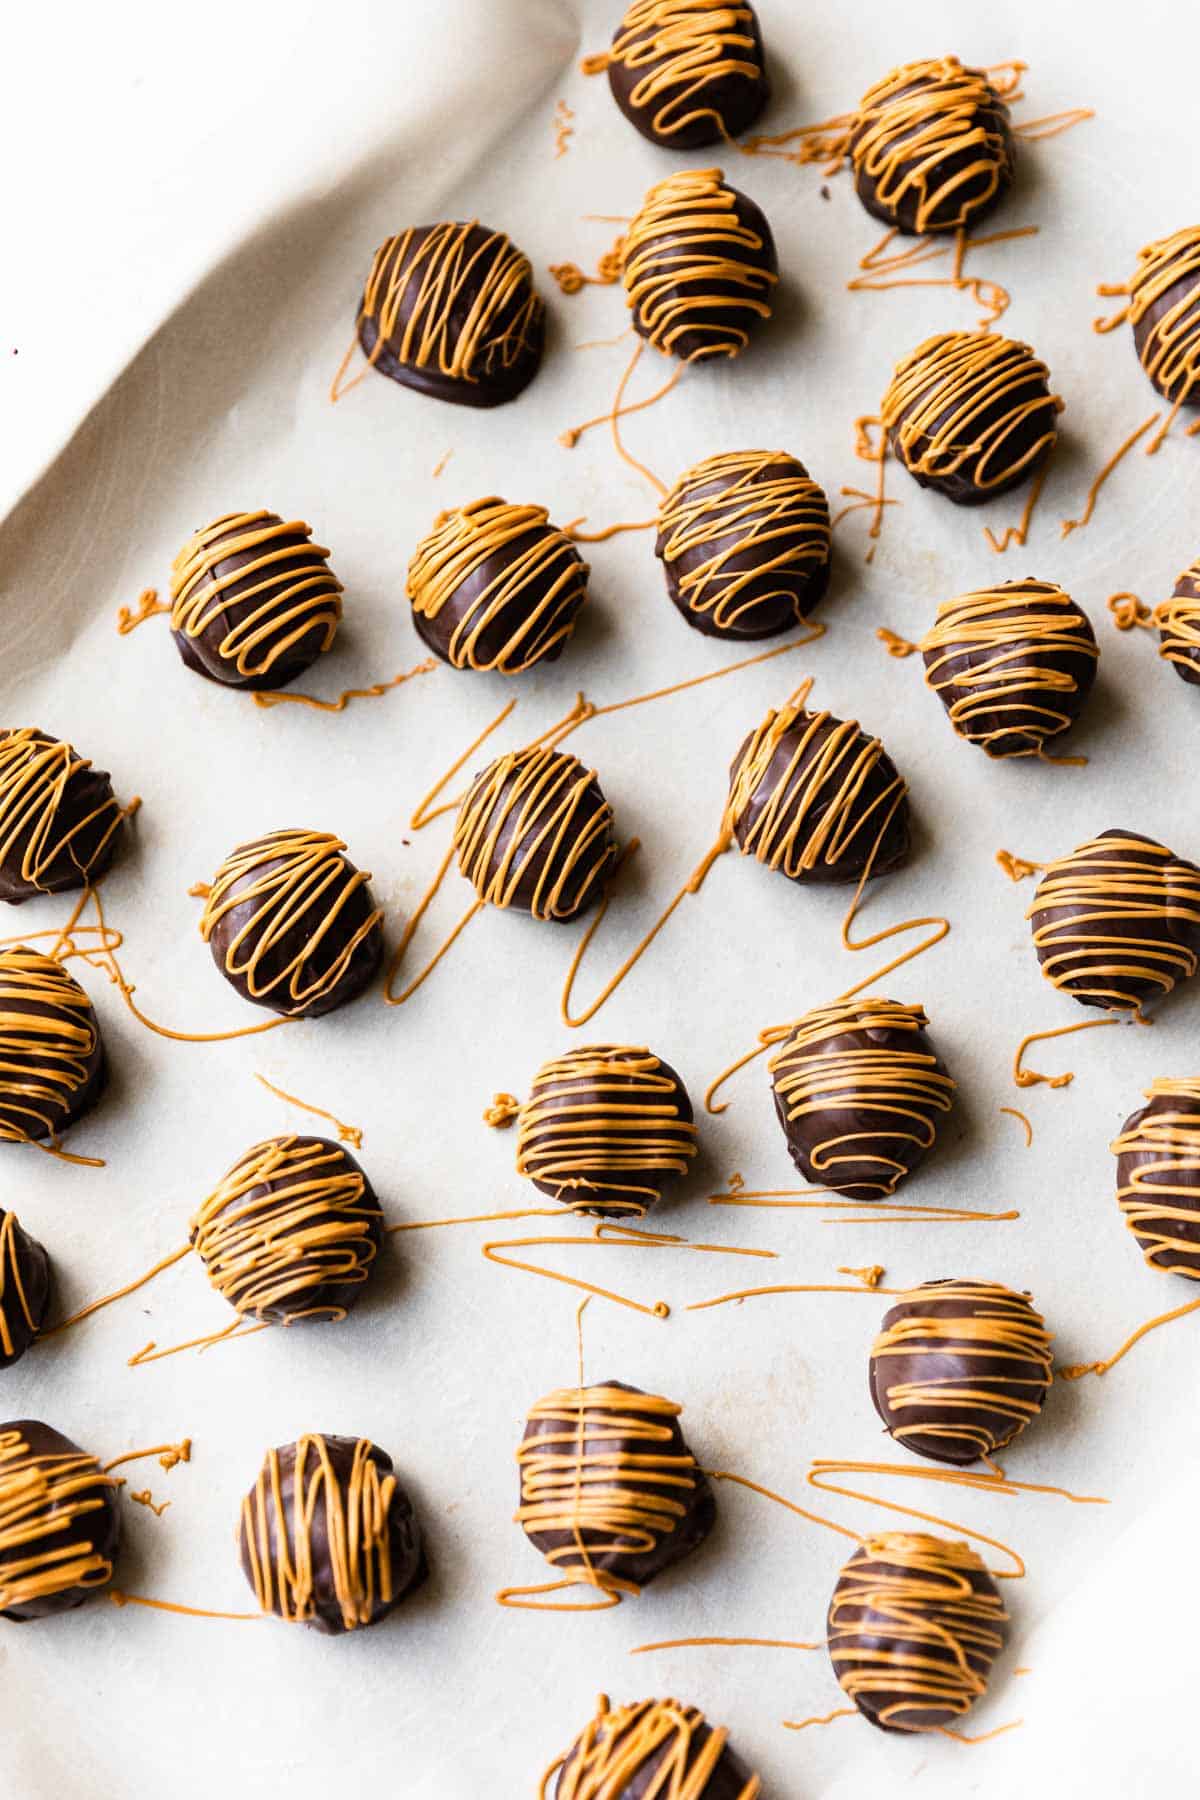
{"type": "Point", "coordinates": [194, 203]}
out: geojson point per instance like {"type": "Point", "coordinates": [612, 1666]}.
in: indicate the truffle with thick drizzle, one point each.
{"type": "Point", "coordinates": [60, 1526]}
{"type": "Point", "coordinates": [1158, 1176]}
{"type": "Point", "coordinates": [52, 1063]}
{"type": "Point", "coordinates": [534, 831]}
{"type": "Point", "coordinates": [25, 1288]}
{"type": "Point", "coordinates": [686, 72]}
{"type": "Point", "coordinates": [650, 1750]}
{"type": "Point", "coordinates": [59, 818]}
{"type": "Point", "coordinates": [1178, 621]}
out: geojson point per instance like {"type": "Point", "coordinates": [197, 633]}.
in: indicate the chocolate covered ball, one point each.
{"type": "Point", "coordinates": [328, 1537]}
{"type": "Point", "coordinates": [687, 72]}
{"type": "Point", "coordinates": [496, 586]}
{"type": "Point", "coordinates": [451, 310]}
{"type": "Point", "coordinates": [1116, 923]}
{"type": "Point", "coordinates": [605, 1130]}
{"type": "Point", "coordinates": [292, 924]}
{"type": "Point", "coordinates": [1178, 621]}
{"type": "Point", "coordinates": [959, 1369]}
{"type": "Point", "coordinates": [291, 1232]}
{"type": "Point", "coordinates": [610, 1493]}
{"type": "Point", "coordinates": [25, 1287]}
{"type": "Point", "coordinates": [60, 1526]}
{"type": "Point", "coordinates": [52, 1065]}
{"type": "Point", "coordinates": [970, 414]}
{"type": "Point", "coordinates": [744, 542]}
{"type": "Point", "coordinates": [699, 267]}
{"type": "Point", "coordinates": [534, 831]}
{"type": "Point", "coordinates": [931, 147]}
{"type": "Point", "coordinates": [1158, 1176]}
{"type": "Point", "coordinates": [817, 798]}
{"type": "Point", "coordinates": [914, 1627]}
{"type": "Point", "coordinates": [1164, 310]}
{"type": "Point", "coordinates": [1012, 665]}
{"type": "Point", "coordinates": [59, 818]}
{"type": "Point", "coordinates": [651, 1750]}
{"type": "Point", "coordinates": [253, 601]}
{"type": "Point", "coordinates": [859, 1089]}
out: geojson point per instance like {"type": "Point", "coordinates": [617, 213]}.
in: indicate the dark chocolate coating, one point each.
{"type": "Point", "coordinates": [736, 97]}
{"type": "Point", "coordinates": [849, 866]}
{"type": "Point", "coordinates": [79, 823]}
{"type": "Point", "coordinates": [932, 1387]}
{"type": "Point", "coordinates": [1184, 387]}
{"type": "Point", "coordinates": [1167, 1167]}
{"type": "Point", "coordinates": [1183, 653]}
{"type": "Point", "coordinates": [729, 1780]}
{"type": "Point", "coordinates": [292, 554]}
{"type": "Point", "coordinates": [82, 1523]}
{"type": "Point", "coordinates": [623, 1557]}
{"type": "Point", "coordinates": [408, 1563]}
{"type": "Point", "coordinates": [26, 1284]}
{"type": "Point", "coordinates": [523, 842]}
{"type": "Point", "coordinates": [53, 1068]}
{"type": "Point", "coordinates": [970, 200]}
{"type": "Point", "coordinates": [774, 572]}
{"type": "Point", "coordinates": [496, 373]}
{"type": "Point", "coordinates": [676, 276]}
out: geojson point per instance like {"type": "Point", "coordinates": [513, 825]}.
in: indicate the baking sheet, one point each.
{"type": "Point", "coordinates": [311, 163]}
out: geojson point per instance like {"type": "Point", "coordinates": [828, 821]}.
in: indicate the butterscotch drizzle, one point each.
{"type": "Point", "coordinates": [1170, 352]}
{"type": "Point", "coordinates": [533, 806]}
{"type": "Point", "coordinates": [912, 131]}
{"type": "Point", "coordinates": [42, 1496]}
{"type": "Point", "coordinates": [48, 1041]}
{"type": "Point", "coordinates": [289, 592]}
{"type": "Point", "coordinates": [347, 1134]}
{"type": "Point", "coordinates": [35, 772]}
{"type": "Point", "coordinates": [619, 1742]}
{"type": "Point", "coordinates": [679, 50]}
{"type": "Point", "coordinates": [341, 701]}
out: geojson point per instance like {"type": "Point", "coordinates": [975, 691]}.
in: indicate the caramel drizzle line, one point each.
{"type": "Point", "coordinates": [607, 1498]}
{"type": "Point", "coordinates": [1025, 1078]}
{"type": "Point", "coordinates": [894, 644]}
{"type": "Point", "coordinates": [881, 273]}
{"type": "Point", "coordinates": [1014, 1113]}
{"type": "Point", "coordinates": [1052, 125]}
{"type": "Point", "coordinates": [535, 558]}
{"type": "Point", "coordinates": [148, 607]}
{"type": "Point", "coordinates": [1093, 494]}
{"type": "Point", "coordinates": [615, 1745]}
{"type": "Point", "coordinates": [131, 1287]}
{"type": "Point", "coordinates": [1074, 1371]}
{"type": "Point", "coordinates": [618, 410]}
{"type": "Point", "coordinates": [290, 590]}
{"type": "Point", "coordinates": [41, 1497]}
{"type": "Point", "coordinates": [150, 1352]}
{"type": "Point", "coordinates": [47, 1040]}
{"type": "Point", "coordinates": [678, 51]}
{"type": "Point", "coordinates": [564, 131]}
{"type": "Point", "coordinates": [282, 698]}
{"type": "Point", "coordinates": [35, 773]}
{"type": "Point", "coordinates": [169, 1455]}
{"type": "Point", "coordinates": [1018, 533]}
{"type": "Point", "coordinates": [895, 1212]}
{"type": "Point", "coordinates": [689, 1643]}
{"type": "Point", "coordinates": [10, 1271]}
{"type": "Point", "coordinates": [122, 1599]}
{"type": "Point", "coordinates": [868, 451]}
{"type": "Point", "coordinates": [144, 1497]}
{"type": "Point", "coordinates": [570, 278]}
{"type": "Point", "coordinates": [347, 1134]}
{"type": "Point", "coordinates": [277, 1539]}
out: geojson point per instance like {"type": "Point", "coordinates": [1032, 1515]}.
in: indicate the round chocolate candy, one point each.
{"type": "Point", "coordinates": [1116, 923]}
{"type": "Point", "coordinates": [451, 310]}
{"type": "Point", "coordinates": [931, 148]}
{"type": "Point", "coordinates": [699, 267]}
{"type": "Point", "coordinates": [651, 1750]}
{"type": "Point", "coordinates": [610, 1493]}
{"type": "Point", "coordinates": [687, 72]}
{"type": "Point", "coordinates": [914, 1626]}
{"type": "Point", "coordinates": [292, 924]}
{"type": "Point", "coordinates": [496, 586]}
{"type": "Point", "coordinates": [1164, 310]}
{"type": "Point", "coordinates": [858, 1090]}
{"type": "Point", "coordinates": [328, 1538]}
{"type": "Point", "coordinates": [959, 1369]}
{"type": "Point", "coordinates": [253, 601]}
{"type": "Point", "coordinates": [534, 831]}
{"type": "Point", "coordinates": [60, 1526]}
{"type": "Point", "coordinates": [605, 1130]}
{"type": "Point", "coordinates": [970, 414]}
{"type": "Point", "coordinates": [25, 1288]}
{"type": "Point", "coordinates": [1012, 665]}
{"type": "Point", "coordinates": [59, 818]}
{"type": "Point", "coordinates": [817, 798]}
{"type": "Point", "coordinates": [52, 1065]}
{"type": "Point", "coordinates": [291, 1232]}
{"type": "Point", "coordinates": [1178, 621]}
{"type": "Point", "coordinates": [744, 543]}
{"type": "Point", "coordinates": [1158, 1176]}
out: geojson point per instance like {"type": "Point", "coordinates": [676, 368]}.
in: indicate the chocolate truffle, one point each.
{"type": "Point", "coordinates": [744, 543]}
{"type": "Point", "coordinates": [52, 1067]}
{"type": "Point", "coordinates": [959, 1369]}
{"type": "Point", "coordinates": [1116, 923]}
{"type": "Point", "coordinates": [816, 798]}
{"type": "Point", "coordinates": [1158, 1176]}
{"type": "Point", "coordinates": [253, 601]}
{"type": "Point", "coordinates": [328, 1538]}
{"type": "Point", "coordinates": [495, 586]}
{"type": "Point", "coordinates": [858, 1089]}
{"type": "Point", "coordinates": [610, 1493]}
{"type": "Point", "coordinates": [1178, 621]}
{"type": "Point", "coordinates": [931, 147]}
{"type": "Point", "coordinates": [291, 1232]}
{"type": "Point", "coordinates": [1012, 665]}
{"type": "Point", "coordinates": [605, 1130]}
{"type": "Point", "coordinates": [58, 816]}
{"type": "Point", "coordinates": [970, 414]}
{"type": "Point", "coordinates": [59, 1522]}
{"type": "Point", "coordinates": [292, 924]}
{"type": "Point", "coordinates": [25, 1283]}
{"type": "Point", "coordinates": [651, 1750]}
{"type": "Point", "coordinates": [914, 1626]}
{"type": "Point", "coordinates": [534, 831]}
{"type": "Point", "coordinates": [687, 72]}
{"type": "Point", "coordinates": [699, 266]}
{"type": "Point", "coordinates": [451, 310]}
{"type": "Point", "coordinates": [1164, 310]}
